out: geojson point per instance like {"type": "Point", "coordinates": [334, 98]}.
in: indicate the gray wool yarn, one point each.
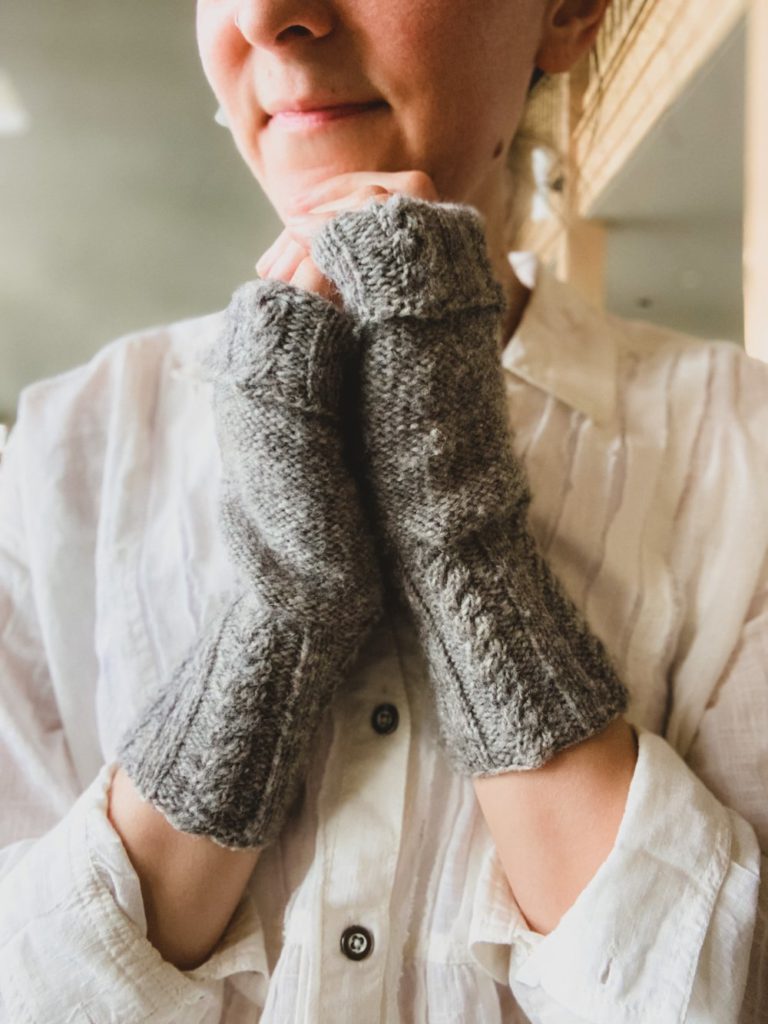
{"type": "Point", "coordinates": [221, 748]}
{"type": "Point", "coordinates": [517, 675]}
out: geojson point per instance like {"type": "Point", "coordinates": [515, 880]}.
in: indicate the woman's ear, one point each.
{"type": "Point", "coordinates": [568, 32]}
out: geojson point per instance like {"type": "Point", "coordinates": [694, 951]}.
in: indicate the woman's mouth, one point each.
{"type": "Point", "coordinates": [302, 120]}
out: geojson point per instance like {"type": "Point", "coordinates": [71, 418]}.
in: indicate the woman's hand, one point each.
{"type": "Point", "coordinates": [289, 259]}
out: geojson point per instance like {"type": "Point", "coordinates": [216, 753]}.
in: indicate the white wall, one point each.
{"type": "Point", "coordinates": [674, 212]}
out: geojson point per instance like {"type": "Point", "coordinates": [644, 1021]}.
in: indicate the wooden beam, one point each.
{"type": "Point", "coordinates": [660, 49]}
{"type": "Point", "coordinates": [584, 259]}
{"type": "Point", "coordinates": [583, 249]}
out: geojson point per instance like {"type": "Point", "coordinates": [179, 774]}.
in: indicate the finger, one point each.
{"type": "Point", "coordinates": [353, 200]}
{"type": "Point", "coordinates": [268, 256]}
{"type": "Point", "coordinates": [303, 227]}
{"type": "Point", "coordinates": [416, 183]}
{"type": "Point", "coordinates": [286, 264]}
{"type": "Point", "coordinates": [308, 277]}
{"type": "Point", "coordinates": [335, 188]}
{"type": "Point", "coordinates": [273, 252]}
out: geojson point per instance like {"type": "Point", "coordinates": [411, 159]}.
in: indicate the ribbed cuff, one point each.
{"type": "Point", "coordinates": [517, 673]}
{"type": "Point", "coordinates": [408, 257]}
{"type": "Point", "coordinates": [285, 341]}
{"type": "Point", "coordinates": [220, 750]}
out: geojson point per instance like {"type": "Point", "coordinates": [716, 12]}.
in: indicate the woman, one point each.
{"type": "Point", "coordinates": [360, 750]}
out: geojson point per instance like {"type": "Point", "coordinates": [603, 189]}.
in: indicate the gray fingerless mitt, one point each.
{"type": "Point", "coordinates": [221, 749]}
{"type": "Point", "coordinates": [516, 672]}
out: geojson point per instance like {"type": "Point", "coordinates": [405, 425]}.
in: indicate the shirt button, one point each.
{"type": "Point", "coordinates": [385, 719]}
{"type": "Point", "coordinates": [356, 942]}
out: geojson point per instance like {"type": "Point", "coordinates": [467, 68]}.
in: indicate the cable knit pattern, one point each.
{"type": "Point", "coordinates": [221, 749]}
{"type": "Point", "coordinates": [517, 674]}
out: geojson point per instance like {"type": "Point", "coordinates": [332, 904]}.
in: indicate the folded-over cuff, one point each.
{"type": "Point", "coordinates": [409, 257]}
{"type": "Point", "coordinates": [630, 947]}
{"type": "Point", "coordinates": [73, 934]}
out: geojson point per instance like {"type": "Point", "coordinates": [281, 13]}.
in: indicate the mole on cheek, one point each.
{"type": "Point", "coordinates": [498, 151]}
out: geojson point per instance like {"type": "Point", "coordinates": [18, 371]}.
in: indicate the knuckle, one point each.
{"type": "Point", "coordinates": [420, 184]}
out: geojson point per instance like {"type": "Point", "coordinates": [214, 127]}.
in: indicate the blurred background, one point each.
{"type": "Point", "coordinates": [124, 205]}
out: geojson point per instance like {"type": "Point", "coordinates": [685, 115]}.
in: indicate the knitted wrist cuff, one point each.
{"type": "Point", "coordinates": [302, 342]}
{"type": "Point", "coordinates": [222, 746]}
{"type": "Point", "coordinates": [408, 257]}
{"type": "Point", "coordinates": [220, 750]}
{"type": "Point", "coordinates": [517, 673]}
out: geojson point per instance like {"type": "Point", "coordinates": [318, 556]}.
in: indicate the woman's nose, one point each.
{"type": "Point", "coordinates": [276, 23]}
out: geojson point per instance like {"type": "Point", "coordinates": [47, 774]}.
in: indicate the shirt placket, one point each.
{"type": "Point", "coordinates": [360, 807]}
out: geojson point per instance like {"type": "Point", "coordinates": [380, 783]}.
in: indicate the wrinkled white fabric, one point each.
{"type": "Point", "coordinates": [646, 454]}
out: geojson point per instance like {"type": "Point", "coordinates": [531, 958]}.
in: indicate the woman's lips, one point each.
{"type": "Point", "coordinates": [301, 120]}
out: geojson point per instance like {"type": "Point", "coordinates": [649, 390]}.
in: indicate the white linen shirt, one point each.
{"type": "Point", "coordinates": [646, 455]}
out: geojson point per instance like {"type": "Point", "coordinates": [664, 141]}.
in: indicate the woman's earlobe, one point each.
{"type": "Point", "coordinates": [570, 31]}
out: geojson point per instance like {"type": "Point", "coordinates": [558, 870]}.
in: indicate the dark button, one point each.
{"type": "Point", "coordinates": [385, 718]}
{"type": "Point", "coordinates": [356, 942]}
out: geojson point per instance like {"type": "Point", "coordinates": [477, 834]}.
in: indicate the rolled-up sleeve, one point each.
{"type": "Point", "coordinates": [68, 946]}
{"type": "Point", "coordinates": [73, 942]}
{"type": "Point", "coordinates": [664, 929]}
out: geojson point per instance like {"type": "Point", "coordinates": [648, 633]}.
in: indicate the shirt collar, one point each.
{"type": "Point", "coordinates": [562, 344]}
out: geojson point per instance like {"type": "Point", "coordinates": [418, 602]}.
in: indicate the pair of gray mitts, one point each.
{"type": "Point", "coordinates": [364, 452]}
